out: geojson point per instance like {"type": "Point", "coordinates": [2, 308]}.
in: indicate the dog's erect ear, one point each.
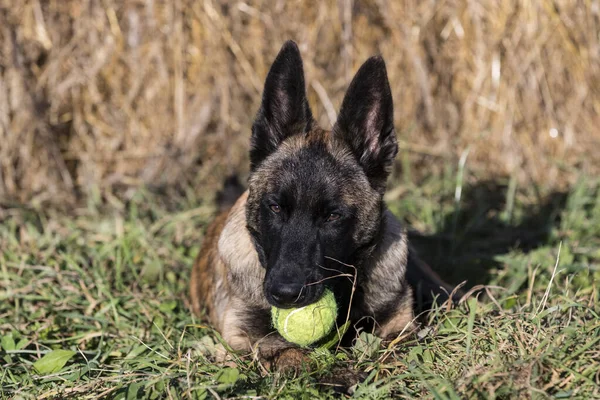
{"type": "Point", "coordinates": [284, 110]}
{"type": "Point", "coordinates": [366, 121]}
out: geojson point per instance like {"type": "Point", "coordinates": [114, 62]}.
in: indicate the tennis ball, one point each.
{"type": "Point", "coordinates": [306, 325]}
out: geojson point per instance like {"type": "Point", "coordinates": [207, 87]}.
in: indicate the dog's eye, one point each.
{"type": "Point", "coordinates": [275, 208]}
{"type": "Point", "coordinates": [333, 217]}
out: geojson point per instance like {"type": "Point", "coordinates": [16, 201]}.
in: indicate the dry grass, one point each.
{"type": "Point", "coordinates": [99, 97]}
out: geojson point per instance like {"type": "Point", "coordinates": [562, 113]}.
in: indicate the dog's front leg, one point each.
{"type": "Point", "coordinates": [400, 321]}
{"type": "Point", "coordinates": [283, 356]}
{"type": "Point", "coordinates": [248, 330]}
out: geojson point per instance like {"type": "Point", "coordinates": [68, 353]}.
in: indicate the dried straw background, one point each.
{"type": "Point", "coordinates": [100, 97]}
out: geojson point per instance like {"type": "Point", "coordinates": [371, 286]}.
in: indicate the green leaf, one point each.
{"type": "Point", "coordinates": [228, 375]}
{"type": "Point", "coordinates": [428, 356]}
{"type": "Point", "coordinates": [510, 303]}
{"type": "Point", "coordinates": [132, 390]}
{"type": "Point", "coordinates": [200, 394]}
{"type": "Point", "coordinates": [53, 361]}
{"type": "Point", "coordinates": [167, 306]}
{"type": "Point", "coordinates": [22, 343]}
{"type": "Point", "coordinates": [78, 373]}
{"type": "Point", "coordinates": [415, 354]}
{"type": "Point", "coordinates": [8, 343]}
{"type": "Point", "coordinates": [472, 302]}
{"type": "Point", "coordinates": [136, 351]}
{"type": "Point", "coordinates": [367, 344]}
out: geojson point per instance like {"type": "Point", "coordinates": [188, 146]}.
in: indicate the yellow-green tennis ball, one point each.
{"type": "Point", "coordinates": [306, 325]}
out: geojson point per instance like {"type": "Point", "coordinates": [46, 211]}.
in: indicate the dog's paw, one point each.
{"type": "Point", "coordinates": [292, 360]}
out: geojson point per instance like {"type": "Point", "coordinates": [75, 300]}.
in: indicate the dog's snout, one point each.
{"type": "Point", "coordinates": [286, 294]}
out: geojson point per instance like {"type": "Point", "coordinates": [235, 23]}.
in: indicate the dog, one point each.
{"type": "Point", "coordinates": [313, 217]}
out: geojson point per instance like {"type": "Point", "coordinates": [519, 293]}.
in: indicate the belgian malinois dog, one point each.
{"type": "Point", "coordinates": [313, 217]}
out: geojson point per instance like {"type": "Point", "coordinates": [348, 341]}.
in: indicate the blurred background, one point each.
{"type": "Point", "coordinates": [99, 98]}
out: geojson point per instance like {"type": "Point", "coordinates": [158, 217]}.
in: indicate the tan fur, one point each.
{"type": "Point", "coordinates": [401, 321]}
{"type": "Point", "coordinates": [209, 272]}
{"type": "Point", "coordinates": [392, 251]}
{"type": "Point", "coordinates": [226, 250]}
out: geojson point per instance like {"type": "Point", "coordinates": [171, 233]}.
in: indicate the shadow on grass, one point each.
{"type": "Point", "coordinates": [481, 228]}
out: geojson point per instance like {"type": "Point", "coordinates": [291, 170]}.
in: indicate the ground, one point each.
{"type": "Point", "coordinates": [93, 303]}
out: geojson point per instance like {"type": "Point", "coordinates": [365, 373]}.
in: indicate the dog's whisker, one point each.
{"type": "Point", "coordinates": [299, 294]}
{"type": "Point", "coordinates": [330, 269]}
{"type": "Point", "coordinates": [324, 279]}
{"type": "Point", "coordinates": [340, 274]}
{"type": "Point", "coordinates": [341, 262]}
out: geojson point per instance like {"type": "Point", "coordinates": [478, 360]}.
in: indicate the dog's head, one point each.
{"type": "Point", "coordinates": [315, 196]}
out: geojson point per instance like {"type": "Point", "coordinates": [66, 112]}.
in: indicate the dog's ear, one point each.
{"type": "Point", "coordinates": [366, 121]}
{"type": "Point", "coordinates": [284, 110]}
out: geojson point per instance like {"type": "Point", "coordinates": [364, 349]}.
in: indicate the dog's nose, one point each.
{"type": "Point", "coordinates": [287, 294]}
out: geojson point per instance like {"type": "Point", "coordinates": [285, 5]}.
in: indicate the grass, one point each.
{"type": "Point", "coordinates": [109, 288]}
